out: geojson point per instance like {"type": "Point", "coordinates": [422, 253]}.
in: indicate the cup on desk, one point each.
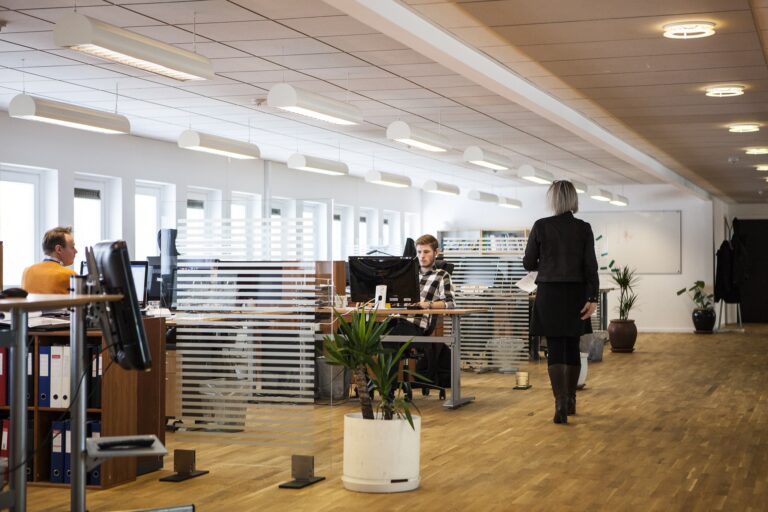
{"type": "Point", "coordinates": [521, 379]}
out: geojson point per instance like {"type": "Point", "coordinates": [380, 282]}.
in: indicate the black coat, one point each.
{"type": "Point", "coordinates": [562, 250]}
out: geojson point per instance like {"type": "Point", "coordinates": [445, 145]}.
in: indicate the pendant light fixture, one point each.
{"type": "Point", "coordinates": [23, 106]}
{"type": "Point", "coordinates": [528, 172]}
{"type": "Point", "coordinates": [619, 200]}
{"type": "Point", "coordinates": [401, 131]}
{"type": "Point", "coordinates": [317, 165]}
{"type": "Point", "coordinates": [485, 197]}
{"type": "Point", "coordinates": [508, 202]}
{"type": "Point", "coordinates": [437, 187]}
{"type": "Point", "coordinates": [478, 156]}
{"type": "Point", "coordinates": [292, 99]}
{"type": "Point", "coordinates": [599, 194]}
{"type": "Point", "coordinates": [388, 179]}
{"type": "Point", "coordinates": [579, 186]}
{"type": "Point", "coordinates": [207, 143]}
{"type": "Point", "coordinates": [99, 39]}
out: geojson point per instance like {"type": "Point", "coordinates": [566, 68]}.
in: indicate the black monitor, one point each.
{"type": "Point", "coordinates": [120, 321]}
{"type": "Point", "coordinates": [399, 274]}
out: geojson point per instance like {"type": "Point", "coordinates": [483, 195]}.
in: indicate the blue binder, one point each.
{"type": "Point", "coordinates": [94, 475]}
{"type": "Point", "coordinates": [67, 452]}
{"type": "Point", "coordinates": [57, 452]}
{"type": "Point", "coordinates": [44, 378]}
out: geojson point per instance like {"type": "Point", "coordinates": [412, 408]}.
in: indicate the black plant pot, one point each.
{"type": "Point", "coordinates": [703, 320]}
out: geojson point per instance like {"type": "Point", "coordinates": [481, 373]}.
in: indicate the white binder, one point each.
{"type": "Point", "coordinates": [57, 367]}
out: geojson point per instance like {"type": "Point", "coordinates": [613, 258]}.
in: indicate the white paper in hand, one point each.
{"type": "Point", "coordinates": [528, 283]}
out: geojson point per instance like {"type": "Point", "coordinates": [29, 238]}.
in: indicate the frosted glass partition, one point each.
{"type": "Point", "coordinates": [484, 276]}
{"type": "Point", "coordinates": [246, 293]}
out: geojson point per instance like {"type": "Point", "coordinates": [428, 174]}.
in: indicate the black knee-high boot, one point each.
{"type": "Point", "coordinates": [559, 382]}
{"type": "Point", "coordinates": [572, 377]}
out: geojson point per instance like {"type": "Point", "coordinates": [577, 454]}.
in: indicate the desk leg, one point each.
{"type": "Point", "coordinates": [77, 410]}
{"type": "Point", "coordinates": [456, 399]}
{"type": "Point", "coordinates": [18, 455]}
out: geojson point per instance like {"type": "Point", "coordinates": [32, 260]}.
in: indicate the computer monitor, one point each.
{"type": "Point", "coordinates": [139, 271]}
{"type": "Point", "coordinates": [121, 323]}
{"type": "Point", "coordinates": [399, 274]}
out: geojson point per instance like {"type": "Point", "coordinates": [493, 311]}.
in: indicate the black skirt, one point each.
{"type": "Point", "coordinates": [556, 310]}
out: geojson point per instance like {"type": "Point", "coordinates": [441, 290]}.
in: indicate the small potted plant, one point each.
{"type": "Point", "coordinates": [622, 331]}
{"type": "Point", "coordinates": [393, 464]}
{"type": "Point", "coordinates": [704, 313]}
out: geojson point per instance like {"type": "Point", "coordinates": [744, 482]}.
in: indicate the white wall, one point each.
{"type": "Point", "coordinates": [659, 308]}
{"type": "Point", "coordinates": [131, 158]}
{"type": "Point", "coordinates": [748, 211]}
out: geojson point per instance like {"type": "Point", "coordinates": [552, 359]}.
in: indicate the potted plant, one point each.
{"type": "Point", "coordinates": [704, 313]}
{"type": "Point", "coordinates": [622, 332]}
{"type": "Point", "coordinates": [393, 463]}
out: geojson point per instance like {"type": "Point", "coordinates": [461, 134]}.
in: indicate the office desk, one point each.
{"type": "Point", "coordinates": [16, 339]}
{"type": "Point", "coordinates": [453, 342]}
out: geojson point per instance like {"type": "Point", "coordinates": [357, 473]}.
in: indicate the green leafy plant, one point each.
{"type": "Point", "coordinates": [696, 292]}
{"type": "Point", "coordinates": [626, 280]}
{"type": "Point", "coordinates": [357, 346]}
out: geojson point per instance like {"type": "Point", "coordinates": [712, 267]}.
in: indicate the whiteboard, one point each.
{"type": "Point", "coordinates": [650, 242]}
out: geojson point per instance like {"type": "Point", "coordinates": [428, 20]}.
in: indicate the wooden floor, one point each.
{"type": "Point", "coordinates": [681, 424]}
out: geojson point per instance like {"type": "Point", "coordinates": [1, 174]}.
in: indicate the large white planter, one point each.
{"type": "Point", "coordinates": [381, 456]}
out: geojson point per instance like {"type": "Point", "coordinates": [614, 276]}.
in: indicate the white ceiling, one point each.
{"type": "Point", "coordinates": [254, 44]}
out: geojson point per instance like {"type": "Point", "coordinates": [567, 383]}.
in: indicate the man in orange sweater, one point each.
{"type": "Point", "coordinates": [52, 274]}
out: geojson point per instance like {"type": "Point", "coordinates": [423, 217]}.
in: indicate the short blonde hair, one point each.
{"type": "Point", "coordinates": [562, 197]}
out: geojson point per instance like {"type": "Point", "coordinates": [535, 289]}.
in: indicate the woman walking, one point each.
{"type": "Point", "coordinates": [562, 249]}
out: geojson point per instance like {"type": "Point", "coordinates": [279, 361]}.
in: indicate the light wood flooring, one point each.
{"type": "Point", "coordinates": [681, 424]}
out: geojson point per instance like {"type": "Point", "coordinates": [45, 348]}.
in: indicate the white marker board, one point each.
{"type": "Point", "coordinates": [650, 242]}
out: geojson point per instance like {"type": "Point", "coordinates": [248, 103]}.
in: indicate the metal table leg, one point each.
{"type": "Point", "coordinates": [456, 400]}
{"type": "Point", "coordinates": [18, 455]}
{"type": "Point", "coordinates": [79, 394]}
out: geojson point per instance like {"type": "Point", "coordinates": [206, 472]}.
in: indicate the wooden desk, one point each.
{"type": "Point", "coordinates": [16, 339]}
{"type": "Point", "coordinates": [453, 342]}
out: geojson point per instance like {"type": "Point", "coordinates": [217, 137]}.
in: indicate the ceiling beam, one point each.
{"type": "Point", "coordinates": [399, 22]}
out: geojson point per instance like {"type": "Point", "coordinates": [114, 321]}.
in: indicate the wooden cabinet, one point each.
{"type": "Point", "coordinates": [131, 403]}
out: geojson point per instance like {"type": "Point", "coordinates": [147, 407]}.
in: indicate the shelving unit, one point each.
{"type": "Point", "coordinates": [120, 413]}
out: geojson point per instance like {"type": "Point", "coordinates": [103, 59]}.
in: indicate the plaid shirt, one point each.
{"type": "Point", "coordinates": [435, 285]}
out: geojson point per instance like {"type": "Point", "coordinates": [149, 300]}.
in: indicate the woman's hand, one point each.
{"type": "Point", "coordinates": [588, 310]}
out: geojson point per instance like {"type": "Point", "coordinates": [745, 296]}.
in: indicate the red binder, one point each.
{"type": "Point", "coordinates": [3, 376]}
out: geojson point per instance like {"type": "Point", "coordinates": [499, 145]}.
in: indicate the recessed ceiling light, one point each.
{"type": "Point", "coordinates": [757, 151]}
{"type": "Point", "coordinates": [744, 128]}
{"type": "Point", "coordinates": [762, 167]}
{"type": "Point", "coordinates": [689, 29]}
{"type": "Point", "coordinates": [724, 91]}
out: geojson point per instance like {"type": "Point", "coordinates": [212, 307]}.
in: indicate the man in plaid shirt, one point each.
{"type": "Point", "coordinates": [436, 293]}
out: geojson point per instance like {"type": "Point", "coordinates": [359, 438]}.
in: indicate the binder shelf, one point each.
{"type": "Point", "coordinates": [112, 410]}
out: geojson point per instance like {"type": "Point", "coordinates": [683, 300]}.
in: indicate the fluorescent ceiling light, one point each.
{"type": "Point", "coordinates": [437, 187]}
{"type": "Point", "coordinates": [476, 155]}
{"type": "Point", "coordinates": [744, 128]}
{"type": "Point", "coordinates": [66, 114]}
{"type": "Point", "coordinates": [757, 151]}
{"type": "Point", "coordinates": [388, 179]}
{"type": "Point", "coordinates": [689, 29]}
{"type": "Point", "coordinates": [724, 91]}
{"type": "Point", "coordinates": [477, 195]}
{"type": "Point", "coordinates": [527, 172]}
{"type": "Point", "coordinates": [762, 167]}
{"type": "Point", "coordinates": [292, 99]}
{"type": "Point", "coordinates": [317, 165]}
{"type": "Point", "coordinates": [599, 194]}
{"type": "Point", "coordinates": [508, 202]}
{"type": "Point", "coordinates": [401, 131]}
{"type": "Point", "coordinates": [620, 201]}
{"type": "Point", "coordinates": [216, 145]}
{"type": "Point", "coordinates": [579, 186]}
{"type": "Point", "coordinates": [94, 37]}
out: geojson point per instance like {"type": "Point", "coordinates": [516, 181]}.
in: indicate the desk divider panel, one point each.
{"type": "Point", "coordinates": [246, 293]}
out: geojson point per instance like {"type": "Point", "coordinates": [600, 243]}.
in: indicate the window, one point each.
{"type": "Point", "coordinates": [147, 221]}
{"type": "Point", "coordinates": [195, 209]}
{"type": "Point", "coordinates": [337, 240]}
{"type": "Point", "coordinates": [19, 223]}
{"type": "Point", "coordinates": [244, 206]}
{"type": "Point", "coordinates": [362, 233]}
{"type": "Point", "coordinates": [89, 218]}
